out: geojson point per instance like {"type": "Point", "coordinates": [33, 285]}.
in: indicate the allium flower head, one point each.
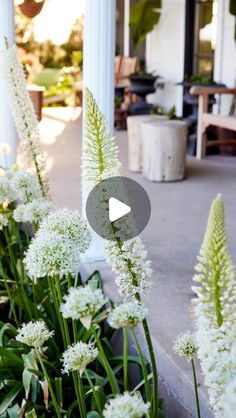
{"type": "Point", "coordinates": [185, 345]}
{"type": "Point", "coordinates": [78, 356]}
{"type": "Point", "coordinates": [33, 334]}
{"type": "Point", "coordinates": [7, 194]}
{"type": "Point", "coordinates": [3, 220]}
{"type": "Point", "coordinates": [26, 186]}
{"type": "Point", "coordinates": [49, 254]}
{"type": "Point", "coordinates": [33, 211]}
{"type": "Point", "coordinates": [83, 303]}
{"type": "Point", "coordinates": [127, 315]}
{"type": "Point", "coordinates": [126, 406]}
{"type": "Point", "coordinates": [69, 224]}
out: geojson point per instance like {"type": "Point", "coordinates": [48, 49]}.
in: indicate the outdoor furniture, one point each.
{"type": "Point", "coordinates": [164, 150]}
{"type": "Point", "coordinates": [205, 119]}
{"type": "Point", "coordinates": [36, 95]}
{"type": "Point", "coordinates": [135, 138]}
{"type": "Point", "coordinates": [124, 67]}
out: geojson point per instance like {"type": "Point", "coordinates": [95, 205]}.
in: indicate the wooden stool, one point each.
{"type": "Point", "coordinates": [135, 138]}
{"type": "Point", "coordinates": [164, 150]}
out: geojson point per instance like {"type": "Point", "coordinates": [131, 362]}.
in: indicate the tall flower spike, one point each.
{"type": "Point", "coordinates": [100, 152]}
{"type": "Point", "coordinates": [215, 308]}
{"type": "Point", "coordinates": [128, 260]}
{"type": "Point", "coordinates": [24, 115]}
{"type": "Point", "coordinates": [215, 271]}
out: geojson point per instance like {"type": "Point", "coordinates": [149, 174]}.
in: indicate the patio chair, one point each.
{"type": "Point", "coordinates": [205, 119]}
{"type": "Point", "coordinates": [124, 67]}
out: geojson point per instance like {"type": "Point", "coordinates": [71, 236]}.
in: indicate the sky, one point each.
{"type": "Point", "coordinates": [56, 19]}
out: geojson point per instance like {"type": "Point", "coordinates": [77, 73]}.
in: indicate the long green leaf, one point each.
{"type": "Point", "coordinates": [9, 398]}
{"type": "Point", "coordinates": [144, 15]}
{"type": "Point", "coordinates": [9, 355]}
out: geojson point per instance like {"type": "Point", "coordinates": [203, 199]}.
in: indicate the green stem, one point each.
{"type": "Point", "coordinates": [110, 375]}
{"type": "Point", "coordinates": [54, 400]}
{"type": "Point", "coordinates": [79, 394]}
{"type": "Point", "coordinates": [125, 359]}
{"type": "Point", "coordinates": [143, 365]}
{"type": "Point", "coordinates": [154, 368]}
{"type": "Point", "coordinates": [11, 302]}
{"type": "Point", "coordinates": [96, 397]}
{"type": "Point", "coordinates": [196, 389]}
{"type": "Point", "coordinates": [65, 325]}
{"type": "Point", "coordinates": [57, 309]}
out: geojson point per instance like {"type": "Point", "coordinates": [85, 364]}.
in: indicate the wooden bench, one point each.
{"type": "Point", "coordinates": [205, 119]}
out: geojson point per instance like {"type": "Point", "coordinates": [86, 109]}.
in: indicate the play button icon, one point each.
{"type": "Point", "coordinates": [118, 208]}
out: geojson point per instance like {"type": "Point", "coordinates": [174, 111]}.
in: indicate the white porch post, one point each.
{"type": "Point", "coordinates": [98, 72]}
{"type": "Point", "coordinates": [99, 52]}
{"type": "Point", "coordinates": [7, 126]}
{"type": "Point", "coordinates": [126, 28]}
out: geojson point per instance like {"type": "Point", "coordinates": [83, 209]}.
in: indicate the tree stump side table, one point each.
{"type": "Point", "coordinates": [164, 150]}
{"type": "Point", "coordinates": [135, 138]}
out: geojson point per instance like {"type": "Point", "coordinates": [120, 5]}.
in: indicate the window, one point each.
{"type": "Point", "coordinates": [205, 37]}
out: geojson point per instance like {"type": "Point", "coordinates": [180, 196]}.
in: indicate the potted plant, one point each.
{"type": "Point", "coordinates": [31, 8]}
{"type": "Point", "coordinates": [144, 15]}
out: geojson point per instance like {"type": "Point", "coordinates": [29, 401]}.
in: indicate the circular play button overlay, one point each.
{"type": "Point", "coordinates": [118, 208]}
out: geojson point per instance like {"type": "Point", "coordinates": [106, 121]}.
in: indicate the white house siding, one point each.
{"type": "Point", "coordinates": [165, 54]}
{"type": "Point", "coordinates": [225, 56]}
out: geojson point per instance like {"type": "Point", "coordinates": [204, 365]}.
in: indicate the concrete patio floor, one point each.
{"type": "Point", "coordinates": [172, 237]}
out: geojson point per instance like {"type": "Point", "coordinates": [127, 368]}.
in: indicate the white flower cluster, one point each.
{"type": "Point", "coordinates": [83, 303]}
{"type": "Point", "coordinates": [217, 355]}
{"type": "Point", "coordinates": [69, 224]}
{"type": "Point", "coordinates": [185, 345]}
{"type": "Point", "coordinates": [50, 255]}
{"type": "Point", "coordinates": [55, 250]}
{"type": "Point", "coordinates": [230, 399]}
{"type": "Point", "coordinates": [24, 114]}
{"type": "Point", "coordinates": [131, 265]}
{"type": "Point", "coordinates": [33, 212]}
{"type": "Point", "coordinates": [127, 315]}
{"type": "Point", "coordinates": [7, 193]}
{"type": "Point", "coordinates": [78, 356]}
{"type": "Point", "coordinates": [126, 406]}
{"type": "Point", "coordinates": [215, 308]}
{"type": "Point", "coordinates": [25, 186]}
{"type": "Point", "coordinates": [3, 220]}
{"type": "Point", "coordinates": [34, 334]}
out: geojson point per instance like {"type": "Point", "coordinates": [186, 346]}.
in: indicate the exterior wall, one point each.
{"type": "Point", "coordinates": [225, 54]}
{"type": "Point", "coordinates": [165, 54]}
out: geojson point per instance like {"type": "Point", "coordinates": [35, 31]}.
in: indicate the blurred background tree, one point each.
{"type": "Point", "coordinates": [56, 67]}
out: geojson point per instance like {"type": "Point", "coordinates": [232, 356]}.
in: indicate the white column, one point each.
{"type": "Point", "coordinates": [126, 28]}
{"type": "Point", "coordinates": [99, 53]}
{"type": "Point", "coordinates": [98, 73]}
{"type": "Point", "coordinates": [7, 126]}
